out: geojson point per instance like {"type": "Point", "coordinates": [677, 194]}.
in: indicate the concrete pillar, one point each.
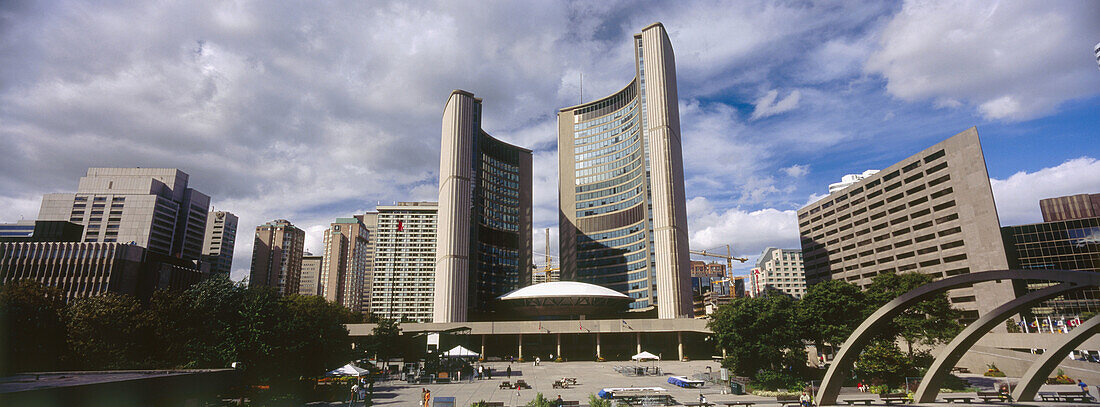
{"type": "Point", "coordinates": [680, 344]}
{"type": "Point", "coordinates": [638, 336]}
{"type": "Point", "coordinates": [520, 346]}
{"type": "Point", "coordinates": [559, 345]}
{"type": "Point", "coordinates": [482, 345]}
{"type": "Point", "coordinates": [597, 345]}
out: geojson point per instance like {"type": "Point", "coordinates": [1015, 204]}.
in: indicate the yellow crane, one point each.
{"type": "Point", "coordinates": [729, 262]}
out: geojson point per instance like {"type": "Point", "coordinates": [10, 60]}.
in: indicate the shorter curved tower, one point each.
{"type": "Point", "coordinates": [484, 235]}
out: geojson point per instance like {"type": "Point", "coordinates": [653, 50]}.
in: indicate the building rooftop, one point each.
{"type": "Point", "coordinates": [562, 289]}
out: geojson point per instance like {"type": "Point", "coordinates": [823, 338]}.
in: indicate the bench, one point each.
{"type": "Point", "coordinates": [520, 385]}
{"type": "Point", "coordinates": [571, 403]}
{"type": "Point", "coordinates": [787, 400]}
{"type": "Point", "coordinates": [865, 402]}
{"type": "Point", "coordinates": [891, 398]}
{"type": "Point", "coordinates": [505, 385]}
{"type": "Point", "coordinates": [558, 384]}
{"type": "Point", "coordinates": [737, 403]}
{"type": "Point", "coordinates": [1048, 395]}
{"type": "Point", "coordinates": [1074, 395]}
{"type": "Point", "coordinates": [993, 396]}
{"type": "Point", "coordinates": [958, 369]}
{"type": "Point", "coordinates": [954, 399]}
{"type": "Point", "coordinates": [493, 404]}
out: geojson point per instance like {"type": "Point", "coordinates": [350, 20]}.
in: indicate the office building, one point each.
{"type": "Point", "coordinates": [780, 270]}
{"type": "Point", "coordinates": [484, 248]}
{"type": "Point", "coordinates": [345, 261]}
{"type": "Point", "coordinates": [1057, 245]}
{"type": "Point", "coordinates": [87, 269]}
{"type": "Point", "coordinates": [931, 213]}
{"type": "Point", "coordinates": [370, 221]}
{"type": "Point", "coordinates": [1081, 206]}
{"type": "Point", "coordinates": [218, 243]}
{"type": "Point", "coordinates": [404, 261]}
{"type": "Point", "coordinates": [41, 231]}
{"type": "Point", "coordinates": [850, 179]}
{"type": "Point", "coordinates": [623, 221]}
{"type": "Point", "coordinates": [706, 277]}
{"type": "Point", "coordinates": [151, 207]}
{"type": "Point", "coordinates": [277, 256]}
{"type": "Point", "coordinates": [310, 281]}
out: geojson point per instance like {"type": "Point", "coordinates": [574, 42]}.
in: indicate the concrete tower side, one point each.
{"type": "Point", "coordinates": [460, 128]}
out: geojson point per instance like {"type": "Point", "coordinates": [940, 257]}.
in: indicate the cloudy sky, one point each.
{"type": "Point", "coordinates": [313, 110]}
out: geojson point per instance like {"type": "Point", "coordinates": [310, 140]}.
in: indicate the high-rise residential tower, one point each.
{"type": "Point", "coordinates": [404, 261]}
{"type": "Point", "coordinates": [151, 207]}
{"type": "Point", "coordinates": [623, 220]}
{"type": "Point", "coordinates": [344, 266]}
{"type": "Point", "coordinates": [370, 221]}
{"type": "Point", "coordinates": [277, 256]}
{"type": "Point", "coordinates": [780, 270]}
{"type": "Point", "coordinates": [217, 246]}
{"type": "Point", "coordinates": [309, 283]}
{"type": "Point", "coordinates": [484, 236]}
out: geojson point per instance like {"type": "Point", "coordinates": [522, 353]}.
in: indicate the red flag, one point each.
{"type": "Point", "coordinates": [400, 226]}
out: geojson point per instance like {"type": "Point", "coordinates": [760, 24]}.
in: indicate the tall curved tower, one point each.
{"type": "Point", "coordinates": [623, 219]}
{"type": "Point", "coordinates": [484, 232]}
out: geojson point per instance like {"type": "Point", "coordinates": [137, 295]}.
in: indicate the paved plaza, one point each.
{"type": "Point", "coordinates": [592, 377]}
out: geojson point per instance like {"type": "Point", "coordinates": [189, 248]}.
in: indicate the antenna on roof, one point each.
{"type": "Point", "coordinates": [582, 87]}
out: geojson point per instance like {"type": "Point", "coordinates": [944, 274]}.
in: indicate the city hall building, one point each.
{"type": "Point", "coordinates": [623, 221]}
{"type": "Point", "coordinates": [484, 246]}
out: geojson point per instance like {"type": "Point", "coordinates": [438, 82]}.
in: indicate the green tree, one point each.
{"type": "Point", "coordinates": [32, 327]}
{"type": "Point", "coordinates": [830, 311]}
{"type": "Point", "coordinates": [384, 341]}
{"type": "Point", "coordinates": [315, 339]}
{"type": "Point", "coordinates": [594, 401]}
{"type": "Point", "coordinates": [883, 363]}
{"type": "Point", "coordinates": [930, 322]}
{"type": "Point", "coordinates": [759, 334]}
{"type": "Point", "coordinates": [109, 331]}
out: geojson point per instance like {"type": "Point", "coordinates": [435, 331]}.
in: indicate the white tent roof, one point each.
{"type": "Point", "coordinates": [460, 352]}
{"type": "Point", "coordinates": [645, 356]}
{"type": "Point", "coordinates": [562, 289]}
{"type": "Point", "coordinates": [347, 370]}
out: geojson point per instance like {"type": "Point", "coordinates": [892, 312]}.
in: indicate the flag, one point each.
{"type": "Point", "coordinates": [400, 226]}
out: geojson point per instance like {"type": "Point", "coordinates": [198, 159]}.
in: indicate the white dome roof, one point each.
{"type": "Point", "coordinates": [562, 289]}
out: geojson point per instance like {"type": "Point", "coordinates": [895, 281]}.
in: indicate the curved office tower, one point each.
{"type": "Point", "coordinates": [623, 218]}
{"type": "Point", "coordinates": [484, 238]}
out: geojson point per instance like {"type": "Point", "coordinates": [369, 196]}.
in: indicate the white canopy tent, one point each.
{"type": "Point", "coordinates": [644, 356]}
{"type": "Point", "coordinates": [348, 370]}
{"type": "Point", "coordinates": [460, 352]}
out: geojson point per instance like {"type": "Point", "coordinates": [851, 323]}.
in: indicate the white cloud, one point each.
{"type": "Point", "coordinates": [748, 232]}
{"type": "Point", "coordinates": [768, 106]}
{"type": "Point", "coordinates": [796, 170]}
{"type": "Point", "coordinates": [1011, 60]}
{"type": "Point", "coordinates": [1018, 196]}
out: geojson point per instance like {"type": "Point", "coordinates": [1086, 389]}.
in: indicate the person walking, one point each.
{"type": "Point", "coordinates": [427, 398]}
{"type": "Point", "coordinates": [480, 371]}
{"type": "Point", "coordinates": [509, 371]}
{"type": "Point", "coordinates": [489, 372]}
{"type": "Point", "coordinates": [1084, 387]}
{"type": "Point", "coordinates": [354, 393]}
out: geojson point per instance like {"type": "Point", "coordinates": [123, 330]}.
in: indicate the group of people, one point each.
{"type": "Point", "coordinates": [362, 390]}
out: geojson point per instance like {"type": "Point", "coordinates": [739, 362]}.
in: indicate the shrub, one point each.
{"type": "Point", "coordinates": [993, 371]}
{"type": "Point", "coordinates": [1061, 378]}
{"type": "Point", "coordinates": [540, 401]}
{"type": "Point", "coordinates": [594, 401]}
{"type": "Point", "coordinates": [769, 380]}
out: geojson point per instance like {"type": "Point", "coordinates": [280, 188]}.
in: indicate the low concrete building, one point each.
{"type": "Point", "coordinates": [118, 388]}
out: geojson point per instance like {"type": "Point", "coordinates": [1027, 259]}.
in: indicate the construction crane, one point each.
{"type": "Point", "coordinates": [728, 256]}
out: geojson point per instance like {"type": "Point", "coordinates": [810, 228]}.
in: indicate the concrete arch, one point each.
{"type": "Point", "coordinates": [842, 364]}
{"type": "Point", "coordinates": [1038, 372]}
{"type": "Point", "coordinates": [941, 367]}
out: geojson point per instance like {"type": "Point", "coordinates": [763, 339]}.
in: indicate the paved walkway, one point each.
{"type": "Point", "coordinates": [592, 377]}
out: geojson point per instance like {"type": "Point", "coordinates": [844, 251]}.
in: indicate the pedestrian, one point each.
{"type": "Point", "coordinates": [551, 357]}
{"type": "Point", "coordinates": [558, 402]}
{"type": "Point", "coordinates": [480, 371]}
{"type": "Point", "coordinates": [537, 360]}
{"type": "Point", "coordinates": [804, 400]}
{"type": "Point", "coordinates": [1084, 387]}
{"type": "Point", "coordinates": [422, 395]}
{"type": "Point", "coordinates": [354, 392]}
{"type": "Point", "coordinates": [702, 399]}
{"type": "Point", "coordinates": [860, 387]}
{"type": "Point", "coordinates": [509, 371]}
{"type": "Point", "coordinates": [489, 372]}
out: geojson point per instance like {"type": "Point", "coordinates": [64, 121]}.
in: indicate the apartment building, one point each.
{"type": "Point", "coordinates": [277, 256]}
{"type": "Point", "coordinates": [403, 286]}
